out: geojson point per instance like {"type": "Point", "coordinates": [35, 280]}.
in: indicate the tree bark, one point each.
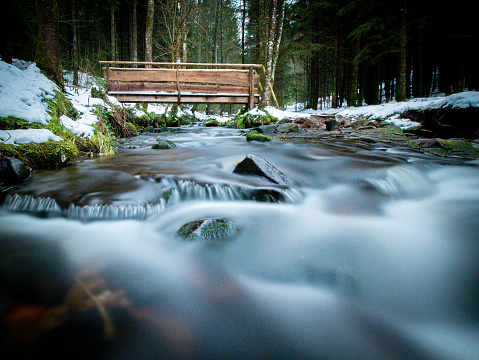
{"type": "Point", "coordinates": [134, 31]}
{"type": "Point", "coordinates": [48, 49]}
{"type": "Point", "coordinates": [149, 31]}
{"type": "Point", "coordinates": [113, 32]}
{"type": "Point", "coordinates": [75, 43]}
{"type": "Point", "coordinates": [402, 71]}
{"type": "Point", "coordinates": [270, 46]}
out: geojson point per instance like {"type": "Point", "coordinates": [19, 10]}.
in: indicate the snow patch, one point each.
{"type": "Point", "coordinates": [22, 92]}
{"type": "Point", "coordinates": [77, 127]}
{"type": "Point", "coordinates": [28, 136]}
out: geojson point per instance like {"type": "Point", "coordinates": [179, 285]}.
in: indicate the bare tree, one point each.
{"type": "Point", "coordinates": [173, 18]}
{"type": "Point", "coordinates": [269, 44]}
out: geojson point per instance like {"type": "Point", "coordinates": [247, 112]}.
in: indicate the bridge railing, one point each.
{"type": "Point", "coordinates": [187, 83]}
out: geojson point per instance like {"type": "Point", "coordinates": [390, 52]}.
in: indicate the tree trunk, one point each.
{"type": "Point", "coordinates": [243, 23]}
{"type": "Point", "coordinates": [184, 30]}
{"type": "Point", "coordinates": [271, 49]}
{"type": "Point", "coordinates": [48, 49]}
{"type": "Point", "coordinates": [75, 43]}
{"type": "Point", "coordinates": [113, 32]}
{"type": "Point", "coordinates": [401, 82]}
{"type": "Point", "coordinates": [134, 32]}
{"type": "Point", "coordinates": [149, 31]}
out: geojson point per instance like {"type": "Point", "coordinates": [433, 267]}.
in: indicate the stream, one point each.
{"type": "Point", "coordinates": [372, 253]}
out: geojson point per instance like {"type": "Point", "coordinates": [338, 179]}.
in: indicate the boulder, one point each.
{"type": "Point", "coordinates": [363, 124]}
{"type": "Point", "coordinates": [266, 129]}
{"type": "Point", "coordinates": [212, 231]}
{"type": "Point", "coordinates": [164, 145]}
{"type": "Point", "coordinates": [288, 128]}
{"type": "Point", "coordinates": [285, 121]}
{"type": "Point", "coordinates": [332, 124]}
{"type": "Point", "coordinates": [212, 123]}
{"type": "Point", "coordinates": [254, 135]}
{"type": "Point", "coordinates": [254, 165]}
{"type": "Point", "coordinates": [343, 121]}
{"type": "Point", "coordinates": [12, 171]}
{"type": "Point", "coordinates": [305, 123]}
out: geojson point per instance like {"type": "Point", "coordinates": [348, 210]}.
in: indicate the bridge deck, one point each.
{"type": "Point", "coordinates": [187, 83]}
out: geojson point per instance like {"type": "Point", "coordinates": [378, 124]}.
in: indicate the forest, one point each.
{"type": "Point", "coordinates": [316, 53]}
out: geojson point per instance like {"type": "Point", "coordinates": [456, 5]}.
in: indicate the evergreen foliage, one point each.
{"type": "Point", "coordinates": [332, 52]}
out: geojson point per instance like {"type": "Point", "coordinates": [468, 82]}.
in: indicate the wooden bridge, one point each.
{"type": "Point", "coordinates": [182, 83]}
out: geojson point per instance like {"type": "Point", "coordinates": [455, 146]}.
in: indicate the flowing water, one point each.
{"type": "Point", "coordinates": [371, 254]}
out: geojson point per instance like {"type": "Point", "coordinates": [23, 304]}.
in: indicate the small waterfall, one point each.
{"type": "Point", "coordinates": [185, 190]}
{"type": "Point", "coordinates": [178, 191]}
{"type": "Point", "coordinates": [28, 203]}
{"type": "Point", "coordinates": [114, 212]}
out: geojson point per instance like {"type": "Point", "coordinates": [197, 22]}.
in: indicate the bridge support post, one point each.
{"type": "Point", "coordinates": [251, 89]}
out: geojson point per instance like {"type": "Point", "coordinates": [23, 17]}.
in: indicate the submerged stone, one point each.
{"type": "Point", "coordinates": [212, 231]}
{"type": "Point", "coordinates": [12, 171]}
{"type": "Point", "coordinates": [254, 165]}
{"type": "Point", "coordinates": [164, 145]}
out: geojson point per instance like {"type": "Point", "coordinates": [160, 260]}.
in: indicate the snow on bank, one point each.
{"type": "Point", "coordinates": [76, 127]}
{"type": "Point", "coordinates": [22, 92]}
{"type": "Point", "coordinates": [27, 136]}
{"type": "Point", "coordinates": [390, 111]}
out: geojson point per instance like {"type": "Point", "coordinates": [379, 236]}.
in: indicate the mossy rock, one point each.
{"type": "Point", "coordinates": [455, 145]}
{"type": "Point", "coordinates": [132, 130]}
{"type": "Point", "coordinates": [288, 128]}
{"type": "Point", "coordinates": [164, 145]}
{"type": "Point", "coordinates": [215, 232]}
{"type": "Point", "coordinates": [47, 155]}
{"type": "Point", "coordinates": [254, 135]}
{"type": "Point", "coordinates": [212, 123]}
{"type": "Point", "coordinates": [248, 120]}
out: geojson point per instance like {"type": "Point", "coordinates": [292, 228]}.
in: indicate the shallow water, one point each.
{"type": "Point", "coordinates": [372, 254]}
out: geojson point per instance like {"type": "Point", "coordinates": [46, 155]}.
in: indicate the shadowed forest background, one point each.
{"type": "Point", "coordinates": [316, 53]}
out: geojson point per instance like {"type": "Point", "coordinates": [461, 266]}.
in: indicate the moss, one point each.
{"type": "Point", "coordinates": [60, 105]}
{"type": "Point", "coordinates": [131, 129]}
{"type": "Point", "coordinates": [48, 155]}
{"type": "Point", "coordinates": [97, 93]}
{"type": "Point", "coordinates": [253, 135]}
{"type": "Point", "coordinates": [13, 123]}
{"type": "Point", "coordinates": [46, 64]}
{"type": "Point", "coordinates": [248, 120]}
{"type": "Point", "coordinates": [456, 145]}
{"type": "Point", "coordinates": [212, 123]}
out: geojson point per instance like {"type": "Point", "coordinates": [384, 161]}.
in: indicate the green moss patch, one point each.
{"type": "Point", "coordinates": [48, 155]}
{"type": "Point", "coordinates": [248, 120]}
{"type": "Point", "coordinates": [13, 123]}
{"type": "Point", "coordinates": [254, 135]}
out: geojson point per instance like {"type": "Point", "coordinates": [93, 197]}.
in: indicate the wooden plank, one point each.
{"type": "Point", "coordinates": [185, 99]}
{"type": "Point", "coordinates": [181, 64]}
{"type": "Point", "coordinates": [230, 77]}
{"type": "Point", "coordinates": [171, 87]}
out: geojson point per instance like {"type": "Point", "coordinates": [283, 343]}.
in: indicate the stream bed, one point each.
{"type": "Point", "coordinates": [372, 253]}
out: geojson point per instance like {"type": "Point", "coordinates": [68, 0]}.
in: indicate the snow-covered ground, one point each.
{"type": "Point", "coordinates": [23, 89]}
